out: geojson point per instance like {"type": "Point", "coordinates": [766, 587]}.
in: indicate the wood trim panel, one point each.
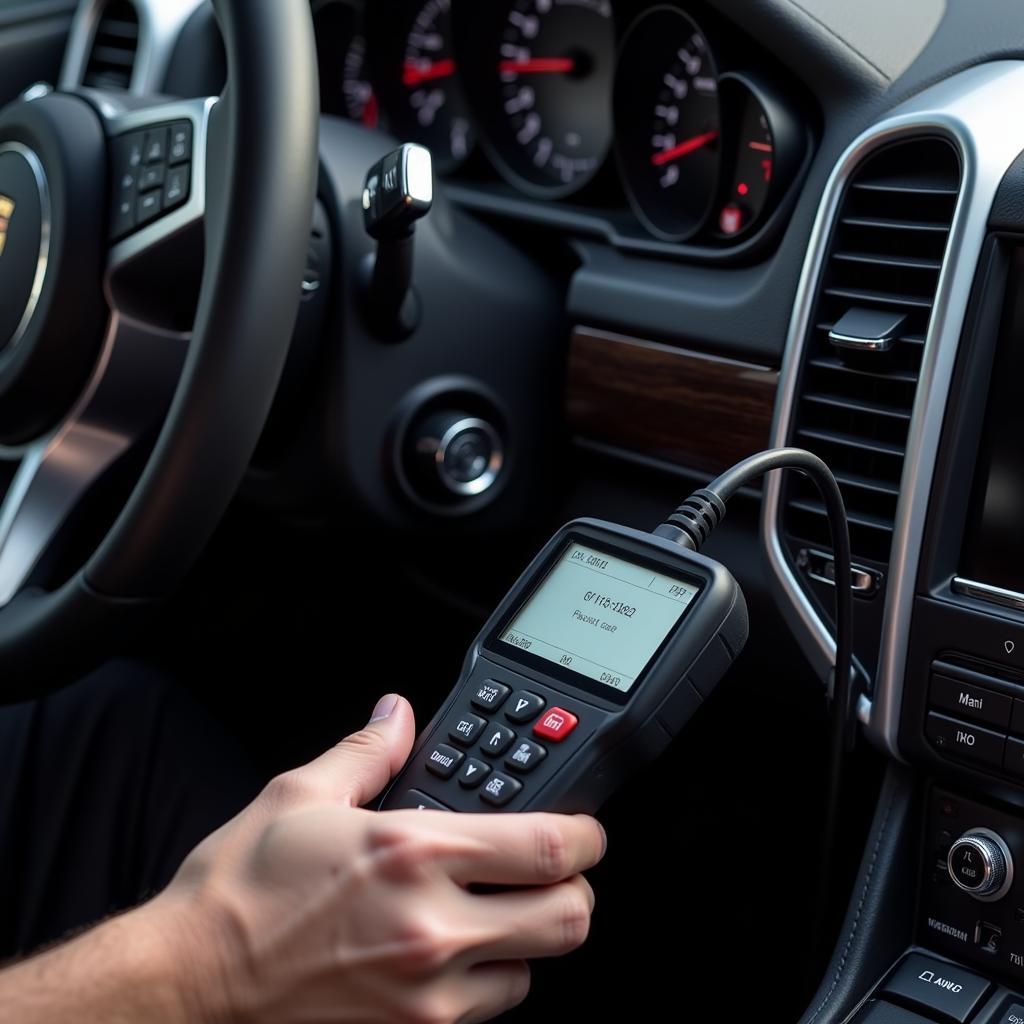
{"type": "Point", "coordinates": [699, 411]}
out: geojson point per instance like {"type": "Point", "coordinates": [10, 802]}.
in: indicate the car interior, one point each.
{"type": "Point", "coordinates": [292, 439]}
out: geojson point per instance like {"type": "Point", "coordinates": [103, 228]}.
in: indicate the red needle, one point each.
{"type": "Point", "coordinates": [538, 66]}
{"type": "Point", "coordinates": [687, 146]}
{"type": "Point", "coordinates": [416, 74]}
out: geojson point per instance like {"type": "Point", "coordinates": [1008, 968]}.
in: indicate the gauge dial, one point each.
{"type": "Point", "coordinates": [668, 122]}
{"type": "Point", "coordinates": [546, 94]}
{"type": "Point", "coordinates": [763, 153]}
{"type": "Point", "coordinates": [357, 92]}
{"type": "Point", "coordinates": [345, 88]}
{"type": "Point", "coordinates": [422, 91]}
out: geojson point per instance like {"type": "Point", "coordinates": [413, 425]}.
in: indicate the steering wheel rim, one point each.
{"type": "Point", "coordinates": [261, 178]}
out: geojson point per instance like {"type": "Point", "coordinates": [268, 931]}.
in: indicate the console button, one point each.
{"type": "Point", "coordinates": [885, 1013]}
{"type": "Point", "coordinates": [525, 756]}
{"type": "Point", "coordinates": [966, 700]}
{"type": "Point", "coordinates": [499, 789]}
{"type": "Point", "coordinates": [473, 772]}
{"type": "Point", "coordinates": [1013, 759]}
{"type": "Point", "coordinates": [961, 740]}
{"type": "Point", "coordinates": [497, 739]}
{"type": "Point", "coordinates": [443, 760]}
{"type": "Point", "coordinates": [490, 695]}
{"type": "Point", "coordinates": [464, 729]}
{"type": "Point", "coordinates": [524, 706]}
{"type": "Point", "coordinates": [1013, 1014]}
{"type": "Point", "coordinates": [950, 991]}
{"type": "Point", "coordinates": [122, 219]}
{"type": "Point", "coordinates": [415, 800]}
{"type": "Point", "coordinates": [556, 725]}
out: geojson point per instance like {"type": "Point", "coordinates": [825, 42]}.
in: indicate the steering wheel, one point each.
{"type": "Point", "coordinates": [102, 363]}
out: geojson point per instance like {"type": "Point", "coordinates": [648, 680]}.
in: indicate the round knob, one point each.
{"type": "Point", "coordinates": [457, 454]}
{"type": "Point", "coordinates": [980, 863]}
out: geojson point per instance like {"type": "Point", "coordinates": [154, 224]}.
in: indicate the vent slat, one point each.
{"type": "Point", "coordinates": [874, 259]}
{"type": "Point", "coordinates": [855, 407]}
{"type": "Point", "coordinates": [816, 508]}
{"type": "Point", "coordinates": [883, 298]}
{"type": "Point", "coordinates": [112, 57]}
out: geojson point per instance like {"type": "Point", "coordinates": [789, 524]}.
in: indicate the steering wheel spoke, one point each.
{"type": "Point", "coordinates": [56, 475]}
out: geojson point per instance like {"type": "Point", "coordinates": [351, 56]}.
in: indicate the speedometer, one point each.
{"type": "Point", "coordinates": [668, 122]}
{"type": "Point", "coordinates": [419, 79]}
{"type": "Point", "coordinates": [545, 90]}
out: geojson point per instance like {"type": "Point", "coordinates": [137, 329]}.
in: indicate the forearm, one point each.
{"type": "Point", "coordinates": [128, 969]}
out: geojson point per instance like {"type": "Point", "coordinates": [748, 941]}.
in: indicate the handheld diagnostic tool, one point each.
{"type": "Point", "coordinates": [592, 664]}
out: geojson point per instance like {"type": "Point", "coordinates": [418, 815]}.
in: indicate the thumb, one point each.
{"type": "Point", "coordinates": [362, 764]}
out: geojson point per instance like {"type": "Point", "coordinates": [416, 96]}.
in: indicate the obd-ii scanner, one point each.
{"type": "Point", "coordinates": [597, 658]}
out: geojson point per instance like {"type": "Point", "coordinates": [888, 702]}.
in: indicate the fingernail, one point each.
{"type": "Point", "coordinates": [384, 707]}
{"type": "Point", "coordinates": [604, 840]}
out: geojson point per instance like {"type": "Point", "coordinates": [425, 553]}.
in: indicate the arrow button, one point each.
{"type": "Point", "coordinates": [473, 772]}
{"type": "Point", "coordinates": [524, 706]}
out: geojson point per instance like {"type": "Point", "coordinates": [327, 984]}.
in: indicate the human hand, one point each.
{"type": "Point", "coordinates": [306, 907]}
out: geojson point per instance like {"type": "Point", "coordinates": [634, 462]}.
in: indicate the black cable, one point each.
{"type": "Point", "coordinates": [690, 526]}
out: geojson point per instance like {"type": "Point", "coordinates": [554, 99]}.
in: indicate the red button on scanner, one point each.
{"type": "Point", "coordinates": [556, 725]}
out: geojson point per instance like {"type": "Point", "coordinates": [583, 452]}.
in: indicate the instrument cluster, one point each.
{"type": "Point", "coordinates": [590, 102]}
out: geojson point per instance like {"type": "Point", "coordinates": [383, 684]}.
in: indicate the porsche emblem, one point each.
{"type": "Point", "coordinates": [6, 213]}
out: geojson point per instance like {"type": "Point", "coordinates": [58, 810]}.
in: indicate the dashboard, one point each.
{"type": "Point", "coordinates": [663, 128]}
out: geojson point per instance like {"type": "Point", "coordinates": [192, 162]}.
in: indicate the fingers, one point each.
{"type": "Point", "coordinates": [491, 989]}
{"type": "Point", "coordinates": [513, 849]}
{"type": "Point", "coordinates": [533, 923]}
{"type": "Point", "coordinates": [361, 765]}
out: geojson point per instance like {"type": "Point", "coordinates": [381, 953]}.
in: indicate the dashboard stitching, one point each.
{"type": "Point", "coordinates": [860, 907]}
{"type": "Point", "coordinates": [835, 35]}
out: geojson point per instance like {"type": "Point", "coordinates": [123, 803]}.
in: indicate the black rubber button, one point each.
{"type": "Point", "coordinates": [413, 799]}
{"type": "Point", "coordinates": [524, 706]}
{"type": "Point", "coordinates": [490, 695]}
{"type": "Point", "coordinates": [443, 760]}
{"type": "Point", "coordinates": [473, 772]}
{"type": "Point", "coordinates": [499, 789]}
{"type": "Point", "coordinates": [945, 989]}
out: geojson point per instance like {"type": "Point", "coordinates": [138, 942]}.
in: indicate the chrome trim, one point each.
{"type": "Point", "coordinates": [976, 111]}
{"type": "Point", "coordinates": [45, 226]}
{"type": "Point", "coordinates": [978, 839]}
{"type": "Point", "coordinates": [987, 592]}
{"type": "Point", "coordinates": [166, 225]}
{"type": "Point", "coordinates": [160, 26]}
{"type": "Point", "coordinates": [861, 344]}
{"type": "Point", "coordinates": [469, 488]}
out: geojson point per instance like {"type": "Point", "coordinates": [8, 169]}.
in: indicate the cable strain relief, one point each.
{"type": "Point", "coordinates": [698, 516]}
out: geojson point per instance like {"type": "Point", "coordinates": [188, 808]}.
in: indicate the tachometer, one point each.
{"type": "Point", "coordinates": [546, 76]}
{"type": "Point", "coordinates": [345, 88]}
{"type": "Point", "coordinates": [422, 91]}
{"type": "Point", "coordinates": [668, 122]}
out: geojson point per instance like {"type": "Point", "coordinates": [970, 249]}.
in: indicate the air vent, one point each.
{"type": "Point", "coordinates": [113, 47]}
{"type": "Point", "coordinates": [855, 403]}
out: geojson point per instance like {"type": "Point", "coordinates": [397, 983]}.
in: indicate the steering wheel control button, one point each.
{"type": "Point", "coordinates": [524, 707]}
{"type": "Point", "coordinates": [156, 146]}
{"type": "Point", "coordinates": [497, 739]}
{"type": "Point", "coordinates": [1013, 1014]}
{"type": "Point", "coordinates": [980, 863]}
{"type": "Point", "coordinates": [499, 789]}
{"type": "Point", "coordinates": [176, 191]}
{"type": "Point", "coordinates": [473, 772]}
{"type": "Point", "coordinates": [525, 756]}
{"type": "Point", "coordinates": [965, 700]}
{"type": "Point", "coordinates": [967, 741]}
{"type": "Point", "coordinates": [148, 208]}
{"type": "Point", "coordinates": [490, 695]}
{"type": "Point", "coordinates": [24, 234]}
{"type": "Point", "coordinates": [180, 149]}
{"type": "Point", "coordinates": [556, 725]}
{"type": "Point", "coordinates": [152, 177]}
{"type": "Point", "coordinates": [464, 730]}
{"type": "Point", "coordinates": [945, 989]}
{"type": "Point", "coordinates": [414, 800]}
{"type": "Point", "coordinates": [443, 760]}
